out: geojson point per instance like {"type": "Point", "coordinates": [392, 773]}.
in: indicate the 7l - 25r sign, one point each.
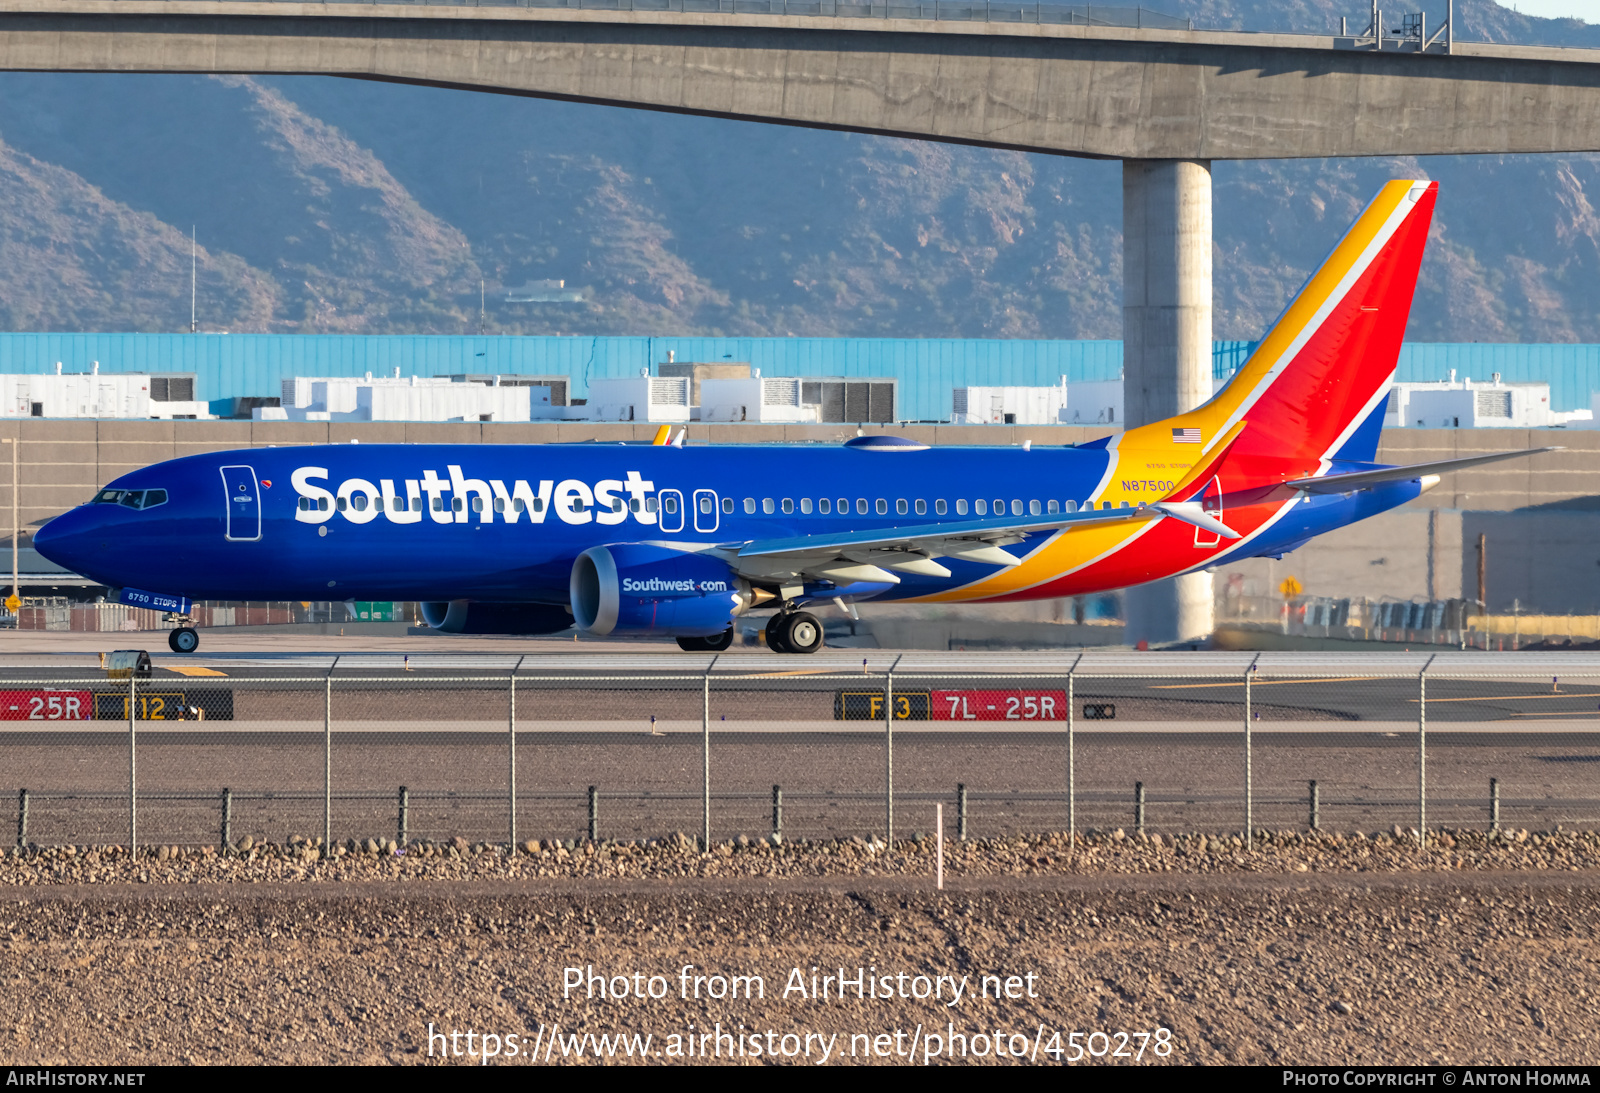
{"type": "Point", "coordinates": [973, 705]}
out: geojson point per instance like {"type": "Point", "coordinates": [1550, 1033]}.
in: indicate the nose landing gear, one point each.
{"type": "Point", "coordinates": [185, 639]}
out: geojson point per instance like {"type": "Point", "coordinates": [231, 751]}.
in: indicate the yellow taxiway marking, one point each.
{"type": "Point", "coordinates": [792, 672]}
{"type": "Point", "coordinates": [1503, 698]}
{"type": "Point", "coordinates": [1265, 682]}
{"type": "Point", "coordinates": [195, 670]}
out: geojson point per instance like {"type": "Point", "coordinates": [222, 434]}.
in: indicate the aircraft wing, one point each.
{"type": "Point", "coordinates": [877, 555]}
{"type": "Point", "coordinates": [1351, 481]}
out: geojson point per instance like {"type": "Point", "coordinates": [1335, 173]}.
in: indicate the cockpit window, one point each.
{"type": "Point", "coordinates": [132, 499]}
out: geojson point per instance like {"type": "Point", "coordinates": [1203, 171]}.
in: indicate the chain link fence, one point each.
{"type": "Point", "coordinates": [502, 749]}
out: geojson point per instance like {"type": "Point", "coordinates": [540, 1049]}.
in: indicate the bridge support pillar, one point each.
{"type": "Point", "coordinates": [1166, 339]}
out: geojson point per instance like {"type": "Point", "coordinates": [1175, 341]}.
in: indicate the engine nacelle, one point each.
{"type": "Point", "coordinates": [467, 617]}
{"type": "Point", "coordinates": [637, 588]}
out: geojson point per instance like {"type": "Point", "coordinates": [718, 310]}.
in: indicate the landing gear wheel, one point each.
{"type": "Point", "coordinates": [776, 627]}
{"type": "Point", "coordinates": [184, 640]}
{"type": "Point", "coordinates": [714, 644]}
{"type": "Point", "coordinates": [802, 633]}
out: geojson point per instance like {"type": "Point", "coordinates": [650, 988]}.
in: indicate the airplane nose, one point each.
{"type": "Point", "coordinates": [70, 540]}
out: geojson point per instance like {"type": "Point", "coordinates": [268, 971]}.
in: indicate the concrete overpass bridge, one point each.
{"type": "Point", "coordinates": [1163, 98]}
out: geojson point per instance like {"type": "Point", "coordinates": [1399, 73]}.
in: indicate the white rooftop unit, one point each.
{"type": "Point", "coordinates": [96, 394]}
{"type": "Point", "coordinates": [772, 400]}
{"type": "Point", "coordinates": [636, 398]}
{"type": "Point", "coordinates": [1447, 404]}
{"type": "Point", "coordinates": [1089, 403]}
{"type": "Point", "coordinates": [396, 398]}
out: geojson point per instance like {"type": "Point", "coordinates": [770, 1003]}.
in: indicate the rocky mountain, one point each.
{"type": "Point", "coordinates": [349, 206]}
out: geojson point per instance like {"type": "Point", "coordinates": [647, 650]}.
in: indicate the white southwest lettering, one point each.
{"type": "Point", "coordinates": [434, 488]}
{"type": "Point", "coordinates": [638, 489]}
{"type": "Point", "coordinates": [520, 491]}
{"type": "Point", "coordinates": [321, 509]}
{"type": "Point", "coordinates": [477, 486]}
{"type": "Point", "coordinates": [402, 510]}
{"type": "Point", "coordinates": [574, 501]}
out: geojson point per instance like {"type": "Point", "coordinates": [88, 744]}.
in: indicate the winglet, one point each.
{"type": "Point", "coordinates": [677, 441]}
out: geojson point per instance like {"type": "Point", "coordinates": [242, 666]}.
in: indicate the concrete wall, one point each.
{"type": "Point", "coordinates": [1104, 91]}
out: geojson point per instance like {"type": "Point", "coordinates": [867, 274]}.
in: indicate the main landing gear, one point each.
{"type": "Point", "coordinates": [715, 644]}
{"type": "Point", "coordinates": [794, 632]}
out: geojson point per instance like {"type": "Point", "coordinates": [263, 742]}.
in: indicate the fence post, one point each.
{"type": "Point", "coordinates": [1072, 768]}
{"type": "Point", "coordinates": [1422, 753]}
{"type": "Point", "coordinates": [1494, 804]}
{"type": "Point", "coordinates": [511, 755]}
{"type": "Point", "coordinates": [888, 751]}
{"type": "Point", "coordinates": [133, 769]}
{"type": "Point", "coordinates": [327, 756]}
{"type": "Point", "coordinates": [594, 814]}
{"type": "Point", "coordinates": [1138, 807]}
{"type": "Point", "coordinates": [1249, 772]}
{"type": "Point", "coordinates": [705, 759]}
{"type": "Point", "coordinates": [1316, 806]}
{"type": "Point", "coordinates": [403, 817]}
{"type": "Point", "coordinates": [961, 811]}
{"type": "Point", "coordinates": [777, 812]}
{"type": "Point", "coordinates": [227, 818]}
{"type": "Point", "coordinates": [22, 818]}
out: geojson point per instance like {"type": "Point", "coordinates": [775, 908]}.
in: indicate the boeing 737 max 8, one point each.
{"type": "Point", "coordinates": [674, 541]}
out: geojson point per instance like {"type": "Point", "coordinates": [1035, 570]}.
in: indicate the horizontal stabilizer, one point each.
{"type": "Point", "coordinates": [1351, 481]}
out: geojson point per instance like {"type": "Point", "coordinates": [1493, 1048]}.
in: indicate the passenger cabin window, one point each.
{"type": "Point", "coordinates": [477, 504]}
{"type": "Point", "coordinates": [922, 507]}
{"type": "Point", "coordinates": [727, 506]}
{"type": "Point", "coordinates": [705, 505]}
{"type": "Point", "coordinates": [788, 505]}
{"type": "Point", "coordinates": [824, 506]}
{"type": "Point", "coordinates": [939, 506]}
{"type": "Point", "coordinates": [670, 504]}
{"type": "Point", "coordinates": [900, 507]}
{"type": "Point", "coordinates": [1072, 506]}
{"type": "Point", "coordinates": [768, 506]}
{"type": "Point", "coordinates": [883, 507]}
{"type": "Point", "coordinates": [634, 504]}
{"type": "Point", "coordinates": [1016, 508]}
{"type": "Point", "coordinates": [805, 504]}
{"type": "Point", "coordinates": [1034, 510]}
{"type": "Point", "coordinates": [343, 504]}
{"type": "Point", "coordinates": [961, 506]}
{"type": "Point", "coordinates": [649, 504]}
{"type": "Point", "coordinates": [1052, 506]}
{"type": "Point", "coordinates": [749, 505]}
{"type": "Point", "coordinates": [981, 507]}
{"type": "Point", "coordinates": [861, 506]}
{"type": "Point", "coordinates": [517, 504]}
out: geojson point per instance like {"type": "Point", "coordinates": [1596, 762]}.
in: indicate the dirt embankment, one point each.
{"type": "Point", "coordinates": [1374, 953]}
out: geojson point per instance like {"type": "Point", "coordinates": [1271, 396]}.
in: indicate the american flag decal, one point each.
{"type": "Point", "coordinates": [1186, 436]}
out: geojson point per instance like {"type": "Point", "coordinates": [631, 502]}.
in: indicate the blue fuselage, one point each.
{"type": "Point", "coordinates": [505, 523]}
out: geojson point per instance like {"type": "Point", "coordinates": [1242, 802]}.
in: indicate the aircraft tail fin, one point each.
{"type": "Point", "coordinates": [1316, 385]}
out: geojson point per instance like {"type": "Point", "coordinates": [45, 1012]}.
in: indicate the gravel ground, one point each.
{"type": "Point", "coordinates": [1331, 950]}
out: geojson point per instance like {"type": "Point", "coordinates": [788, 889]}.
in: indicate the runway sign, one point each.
{"type": "Point", "coordinates": [972, 705]}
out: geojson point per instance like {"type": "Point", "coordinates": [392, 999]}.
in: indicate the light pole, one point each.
{"type": "Point", "coordinates": [14, 602]}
